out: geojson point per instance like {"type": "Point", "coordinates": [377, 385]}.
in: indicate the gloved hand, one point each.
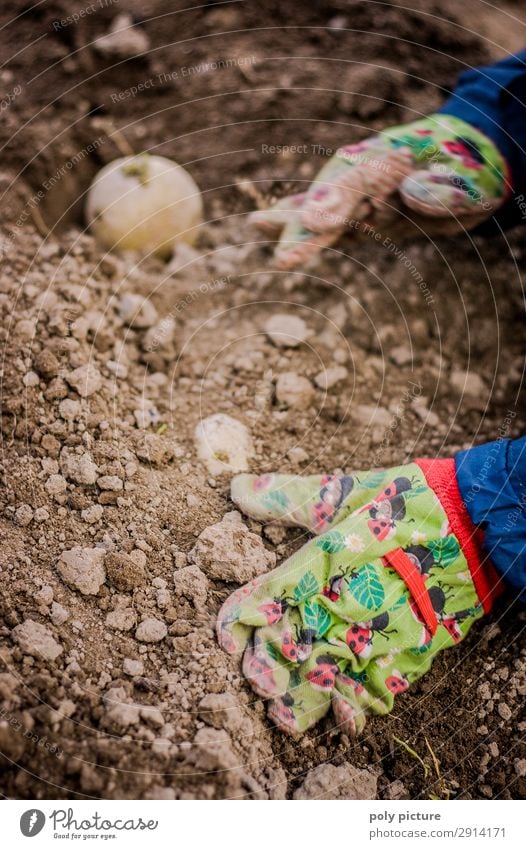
{"type": "Point", "coordinates": [437, 168]}
{"type": "Point", "coordinates": [357, 614]}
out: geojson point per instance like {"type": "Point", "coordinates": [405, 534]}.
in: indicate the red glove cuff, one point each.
{"type": "Point", "coordinates": [441, 477]}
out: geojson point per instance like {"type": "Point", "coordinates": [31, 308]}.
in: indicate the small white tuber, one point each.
{"type": "Point", "coordinates": [146, 203]}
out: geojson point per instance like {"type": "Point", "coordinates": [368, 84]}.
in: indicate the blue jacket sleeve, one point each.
{"type": "Point", "coordinates": [492, 482]}
{"type": "Point", "coordinates": [493, 99]}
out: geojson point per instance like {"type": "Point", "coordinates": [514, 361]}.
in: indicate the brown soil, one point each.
{"type": "Point", "coordinates": [366, 308]}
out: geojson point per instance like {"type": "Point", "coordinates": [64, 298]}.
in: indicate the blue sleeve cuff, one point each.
{"type": "Point", "coordinates": [493, 99]}
{"type": "Point", "coordinates": [492, 482]}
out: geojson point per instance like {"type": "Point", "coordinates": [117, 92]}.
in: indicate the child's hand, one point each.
{"type": "Point", "coordinates": [357, 614]}
{"type": "Point", "coordinates": [439, 167]}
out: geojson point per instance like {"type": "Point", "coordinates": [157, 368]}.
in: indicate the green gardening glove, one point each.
{"type": "Point", "coordinates": [357, 614]}
{"type": "Point", "coordinates": [437, 168]}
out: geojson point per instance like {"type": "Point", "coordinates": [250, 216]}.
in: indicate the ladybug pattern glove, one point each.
{"type": "Point", "coordinates": [439, 167]}
{"type": "Point", "coordinates": [359, 612]}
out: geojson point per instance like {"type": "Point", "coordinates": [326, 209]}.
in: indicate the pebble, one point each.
{"type": "Point", "coordinates": [69, 409]}
{"type": "Point", "coordinates": [122, 619]}
{"type": "Point", "coordinates": [23, 515]}
{"type": "Point", "coordinates": [468, 383]}
{"type": "Point", "coordinates": [401, 355]}
{"type": "Point", "coordinates": [222, 710]}
{"type": "Point", "coordinates": [125, 571]}
{"type": "Point", "coordinates": [329, 377]}
{"type": "Point", "coordinates": [192, 583]}
{"type": "Point", "coordinates": [123, 40]}
{"type": "Point", "coordinates": [46, 364]}
{"type": "Point", "coordinates": [286, 331]}
{"type": "Point", "coordinates": [92, 514]}
{"type": "Point", "coordinates": [160, 335]}
{"type": "Point", "coordinates": [371, 416]}
{"type": "Point", "coordinates": [119, 713]}
{"type": "Point", "coordinates": [86, 380]}
{"type": "Point", "coordinates": [83, 569]}
{"type": "Point", "coordinates": [224, 444]}
{"type": "Point", "coordinates": [45, 595]}
{"type": "Point", "coordinates": [41, 515]}
{"type": "Point", "coordinates": [37, 640]}
{"type": "Point", "coordinates": [504, 711]}
{"type": "Point", "coordinates": [79, 468]}
{"type": "Point", "coordinates": [118, 369]}
{"type": "Point", "coordinates": [151, 631]}
{"type": "Point", "coordinates": [146, 414]}
{"type": "Point", "coordinates": [31, 379]}
{"type": "Point", "coordinates": [228, 551]}
{"type": "Point", "coordinates": [137, 312]}
{"type": "Point", "coordinates": [132, 667]}
{"type": "Point", "coordinates": [294, 391]}
{"type": "Point", "coordinates": [59, 614]}
{"type": "Point", "coordinates": [337, 782]}
{"type": "Point", "coordinates": [152, 716]}
{"type": "Point", "coordinates": [56, 485]}
{"type": "Point", "coordinates": [110, 482]}
{"type": "Point", "coordinates": [297, 454]}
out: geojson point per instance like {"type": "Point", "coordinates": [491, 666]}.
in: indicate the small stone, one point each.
{"type": "Point", "coordinates": [31, 379]}
{"type": "Point", "coordinates": [79, 468]}
{"type": "Point", "coordinates": [286, 331]}
{"type": "Point", "coordinates": [41, 515]}
{"type": "Point", "coordinates": [484, 691]}
{"type": "Point", "coordinates": [125, 571]}
{"type": "Point", "coordinates": [275, 532]}
{"type": "Point", "coordinates": [132, 667]}
{"type": "Point", "coordinates": [337, 782]}
{"type": "Point", "coordinates": [122, 619]}
{"type": "Point", "coordinates": [85, 379]}
{"type": "Point", "coordinates": [371, 416]}
{"type": "Point", "coordinates": [119, 713]}
{"type": "Point", "coordinates": [92, 514]}
{"type": "Point", "coordinates": [83, 569]}
{"type": "Point", "coordinates": [223, 444]}
{"type": "Point", "coordinates": [110, 482]}
{"type": "Point", "coordinates": [160, 335]}
{"type": "Point", "coordinates": [23, 515]}
{"type": "Point", "coordinates": [396, 790]}
{"type": "Point", "coordinates": [297, 455]}
{"type": "Point", "coordinates": [118, 369]}
{"type": "Point", "coordinates": [151, 631]}
{"type": "Point", "coordinates": [45, 595]}
{"type": "Point", "coordinates": [329, 377]}
{"type": "Point", "coordinates": [46, 364]}
{"type": "Point", "coordinates": [123, 40]}
{"type": "Point", "coordinates": [69, 409]}
{"type": "Point", "coordinates": [56, 485]}
{"type": "Point", "coordinates": [26, 328]}
{"type": "Point", "coordinates": [59, 614]}
{"type": "Point", "coordinates": [163, 599]}
{"type": "Point", "coordinates": [504, 711]}
{"type": "Point", "coordinates": [192, 583]}
{"type": "Point", "coordinates": [294, 391]}
{"type": "Point", "coordinates": [401, 355]}
{"type": "Point", "coordinates": [520, 766]}
{"type": "Point", "coordinates": [222, 710]}
{"type": "Point", "coordinates": [35, 639]}
{"type": "Point", "coordinates": [137, 312]}
{"type": "Point", "coordinates": [468, 383]}
{"type": "Point", "coordinates": [146, 414]}
{"type": "Point", "coordinates": [152, 716]}
{"type": "Point", "coordinates": [228, 551]}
